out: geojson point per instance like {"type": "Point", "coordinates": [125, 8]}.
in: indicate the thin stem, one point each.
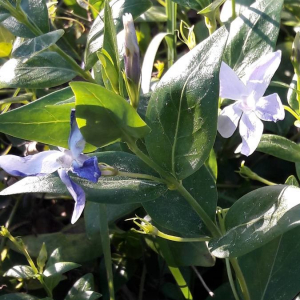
{"type": "Point", "coordinates": [180, 239]}
{"type": "Point", "coordinates": [106, 249]}
{"type": "Point", "coordinates": [240, 277]}
{"type": "Point", "coordinates": [142, 283]}
{"type": "Point", "coordinates": [171, 9]}
{"type": "Point", "coordinates": [231, 281]}
{"type": "Point", "coordinates": [211, 24]}
{"type": "Point", "coordinates": [203, 282]}
{"type": "Point", "coordinates": [291, 111]}
{"type": "Point", "coordinates": [233, 10]}
{"type": "Point", "coordinates": [142, 176]}
{"type": "Point", "coordinates": [298, 89]}
{"type": "Point", "coordinates": [18, 99]}
{"type": "Point", "coordinates": [265, 181]}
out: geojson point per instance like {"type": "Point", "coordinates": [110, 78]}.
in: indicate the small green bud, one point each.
{"type": "Point", "coordinates": [296, 54]}
{"type": "Point", "coordinates": [107, 170]}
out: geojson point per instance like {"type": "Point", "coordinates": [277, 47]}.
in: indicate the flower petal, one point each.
{"type": "Point", "coordinates": [76, 140]}
{"type": "Point", "coordinates": [231, 87]}
{"type": "Point", "coordinates": [89, 170]}
{"type": "Point", "coordinates": [251, 129]}
{"type": "Point", "coordinates": [76, 192]}
{"type": "Point", "coordinates": [270, 108]}
{"type": "Point", "coordinates": [32, 165]}
{"type": "Point", "coordinates": [228, 120]}
{"type": "Point", "coordinates": [260, 73]}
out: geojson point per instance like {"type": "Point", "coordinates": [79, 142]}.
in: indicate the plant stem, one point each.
{"type": "Point", "coordinates": [230, 278]}
{"type": "Point", "coordinates": [171, 12]}
{"type": "Point", "coordinates": [298, 89]}
{"type": "Point", "coordinates": [180, 239]}
{"type": "Point", "coordinates": [291, 111]}
{"type": "Point", "coordinates": [240, 278]}
{"type": "Point", "coordinates": [19, 99]}
{"type": "Point", "coordinates": [211, 24]}
{"type": "Point", "coordinates": [142, 176]}
{"type": "Point", "coordinates": [233, 16]}
{"type": "Point", "coordinates": [106, 249]}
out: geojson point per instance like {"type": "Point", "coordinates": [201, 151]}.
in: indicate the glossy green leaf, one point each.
{"type": "Point", "coordinates": [240, 6]}
{"type": "Point", "coordinates": [211, 8]}
{"type": "Point", "coordinates": [42, 258]}
{"type": "Point", "coordinates": [194, 4]}
{"type": "Point", "coordinates": [37, 14]}
{"type": "Point", "coordinates": [175, 253]}
{"type": "Point", "coordinates": [292, 95]}
{"type": "Point", "coordinates": [172, 211]}
{"type": "Point", "coordinates": [257, 218]}
{"type": "Point", "coordinates": [55, 257]}
{"type": "Point", "coordinates": [83, 289]}
{"type": "Point", "coordinates": [222, 292]}
{"type": "Point", "coordinates": [18, 297]}
{"type": "Point", "coordinates": [33, 46]}
{"type": "Point", "coordinates": [271, 272]}
{"type": "Point", "coordinates": [114, 212]}
{"type": "Point", "coordinates": [60, 268]}
{"type": "Point", "coordinates": [280, 147]}
{"type": "Point", "coordinates": [104, 117]}
{"type": "Point", "coordinates": [24, 272]}
{"type": "Point", "coordinates": [42, 119]}
{"type": "Point", "coordinates": [111, 190]}
{"type": "Point", "coordinates": [6, 41]}
{"type": "Point", "coordinates": [119, 8]}
{"type": "Point", "coordinates": [212, 164]}
{"type": "Point", "coordinates": [46, 69]}
{"type": "Point", "coordinates": [253, 34]}
{"type": "Point", "coordinates": [182, 112]}
{"type": "Point", "coordinates": [155, 14]}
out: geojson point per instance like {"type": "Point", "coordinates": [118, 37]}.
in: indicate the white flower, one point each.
{"type": "Point", "coordinates": [250, 106]}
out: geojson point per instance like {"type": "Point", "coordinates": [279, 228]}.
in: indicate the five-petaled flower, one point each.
{"type": "Point", "coordinates": [250, 106]}
{"type": "Point", "coordinates": [61, 161]}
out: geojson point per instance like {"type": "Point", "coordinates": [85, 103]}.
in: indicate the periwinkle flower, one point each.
{"type": "Point", "coordinates": [250, 106]}
{"type": "Point", "coordinates": [61, 161]}
{"type": "Point", "coordinates": [132, 52]}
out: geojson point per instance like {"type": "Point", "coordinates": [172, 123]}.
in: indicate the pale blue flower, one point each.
{"type": "Point", "coordinates": [61, 161]}
{"type": "Point", "coordinates": [250, 106]}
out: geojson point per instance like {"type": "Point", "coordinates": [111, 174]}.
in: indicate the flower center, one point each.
{"type": "Point", "coordinates": [248, 104]}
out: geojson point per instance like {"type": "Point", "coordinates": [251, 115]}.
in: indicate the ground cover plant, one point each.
{"type": "Point", "coordinates": [150, 149]}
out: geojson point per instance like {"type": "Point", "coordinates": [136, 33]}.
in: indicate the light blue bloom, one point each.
{"type": "Point", "coordinates": [250, 106]}
{"type": "Point", "coordinates": [61, 161]}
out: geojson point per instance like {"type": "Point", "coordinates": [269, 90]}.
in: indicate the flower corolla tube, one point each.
{"type": "Point", "coordinates": [250, 106]}
{"type": "Point", "coordinates": [62, 161]}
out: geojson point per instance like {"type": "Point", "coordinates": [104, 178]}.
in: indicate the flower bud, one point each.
{"type": "Point", "coordinates": [132, 52]}
{"type": "Point", "coordinates": [107, 170]}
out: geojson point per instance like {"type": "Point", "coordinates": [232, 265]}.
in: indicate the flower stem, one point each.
{"type": "Point", "coordinates": [19, 99]}
{"type": "Point", "coordinates": [106, 249]}
{"type": "Point", "coordinates": [291, 111]}
{"type": "Point", "coordinates": [141, 176]}
{"type": "Point", "coordinates": [230, 278]}
{"type": "Point", "coordinates": [233, 10]}
{"type": "Point", "coordinates": [171, 9]}
{"type": "Point", "coordinates": [180, 239]}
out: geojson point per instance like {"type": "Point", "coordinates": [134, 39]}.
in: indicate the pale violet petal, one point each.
{"type": "Point", "coordinates": [231, 87]}
{"type": "Point", "coordinates": [229, 119]}
{"type": "Point", "coordinates": [260, 73]}
{"type": "Point", "coordinates": [76, 192]}
{"type": "Point", "coordinates": [32, 165]}
{"type": "Point", "coordinates": [251, 129]}
{"type": "Point", "coordinates": [270, 108]}
{"type": "Point", "coordinates": [76, 140]}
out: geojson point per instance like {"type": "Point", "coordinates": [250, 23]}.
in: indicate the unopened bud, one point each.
{"type": "Point", "coordinates": [296, 54]}
{"type": "Point", "coordinates": [132, 52]}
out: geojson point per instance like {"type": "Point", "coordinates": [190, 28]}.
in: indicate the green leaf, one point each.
{"type": "Point", "coordinates": [280, 147]}
{"type": "Point", "coordinates": [83, 289]}
{"type": "Point", "coordinates": [275, 268]}
{"type": "Point", "coordinates": [55, 257]}
{"type": "Point", "coordinates": [292, 95]}
{"type": "Point", "coordinates": [182, 284]}
{"type": "Point", "coordinates": [182, 112]}
{"type": "Point", "coordinates": [292, 180]}
{"type": "Point", "coordinates": [46, 69]}
{"type": "Point", "coordinates": [194, 4]}
{"type": "Point", "coordinates": [119, 8]}
{"type": "Point", "coordinates": [114, 212]}
{"type": "Point", "coordinates": [24, 272]}
{"type": "Point", "coordinates": [60, 268]}
{"type": "Point", "coordinates": [37, 14]}
{"type": "Point", "coordinates": [111, 190]}
{"type": "Point", "coordinates": [253, 34]}
{"type": "Point", "coordinates": [42, 258]}
{"type": "Point", "coordinates": [6, 42]}
{"type": "Point", "coordinates": [172, 211]}
{"type": "Point", "coordinates": [211, 8]}
{"type": "Point", "coordinates": [33, 46]}
{"type": "Point", "coordinates": [212, 164]}
{"type": "Point", "coordinates": [104, 117]}
{"type": "Point", "coordinates": [18, 297]}
{"type": "Point", "coordinates": [42, 119]}
{"type": "Point", "coordinates": [222, 292]}
{"type": "Point", "coordinates": [257, 218]}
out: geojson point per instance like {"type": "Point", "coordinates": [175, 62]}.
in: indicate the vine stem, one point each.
{"type": "Point", "coordinates": [171, 12]}
{"type": "Point", "coordinates": [141, 176]}
{"type": "Point", "coordinates": [291, 111]}
{"type": "Point", "coordinates": [233, 10]}
{"type": "Point", "coordinates": [104, 231]}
